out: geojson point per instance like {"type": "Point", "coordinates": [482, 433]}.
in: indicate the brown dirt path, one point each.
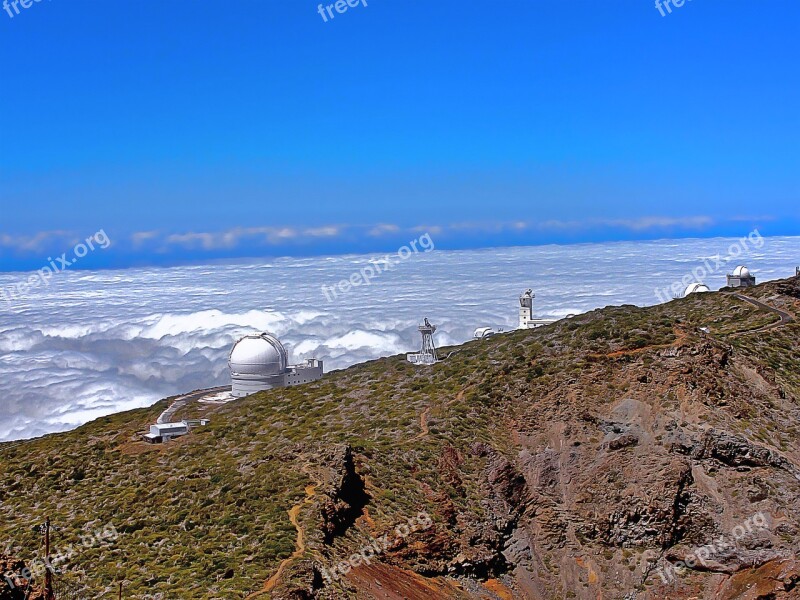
{"type": "Point", "coordinates": [680, 337]}
{"type": "Point", "coordinates": [423, 425]}
{"type": "Point", "coordinates": [294, 514]}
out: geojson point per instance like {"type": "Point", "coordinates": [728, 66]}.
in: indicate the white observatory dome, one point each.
{"type": "Point", "coordinates": [259, 354]}
{"type": "Point", "coordinates": [694, 288]}
{"type": "Point", "coordinates": [259, 362]}
{"type": "Point", "coordinates": [741, 271]}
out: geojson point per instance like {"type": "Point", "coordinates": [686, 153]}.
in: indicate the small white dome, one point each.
{"type": "Point", "coordinates": [258, 354]}
{"type": "Point", "coordinates": [694, 288]}
{"type": "Point", "coordinates": [741, 271]}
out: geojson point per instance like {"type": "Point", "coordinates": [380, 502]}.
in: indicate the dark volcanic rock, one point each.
{"type": "Point", "coordinates": [344, 492]}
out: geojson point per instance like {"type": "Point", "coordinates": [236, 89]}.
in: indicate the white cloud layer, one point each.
{"type": "Point", "coordinates": [93, 343]}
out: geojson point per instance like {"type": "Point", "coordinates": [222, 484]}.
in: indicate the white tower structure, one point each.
{"type": "Point", "coordinates": [260, 362]}
{"type": "Point", "coordinates": [526, 320]}
{"type": "Point", "coordinates": [526, 308]}
{"type": "Point", "coordinates": [427, 356]}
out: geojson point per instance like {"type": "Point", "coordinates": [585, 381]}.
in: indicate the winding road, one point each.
{"type": "Point", "coordinates": [181, 401]}
{"type": "Point", "coordinates": [785, 317]}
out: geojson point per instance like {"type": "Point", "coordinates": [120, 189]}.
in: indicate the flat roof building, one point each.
{"type": "Point", "coordinates": [164, 432]}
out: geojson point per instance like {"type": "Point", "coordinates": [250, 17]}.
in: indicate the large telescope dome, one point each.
{"type": "Point", "coordinates": [259, 354]}
{"type": "Point", "coordinates": [260, 362]}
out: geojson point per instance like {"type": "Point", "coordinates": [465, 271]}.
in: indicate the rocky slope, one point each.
{"type": "Point", "coordinates": [625, 453]}
{"type": "Point", "coordinates": [16, 580]}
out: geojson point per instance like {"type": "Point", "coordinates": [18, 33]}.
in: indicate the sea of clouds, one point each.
{"type": "Point", "coordinates": [96, 342]}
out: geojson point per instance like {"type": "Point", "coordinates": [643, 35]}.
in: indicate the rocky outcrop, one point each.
{"type": "Point", "coordinates": [303, 581]}
{"type": "Point", "coordinates": [14, 582]}
{"type": "Point", "coordinates": [506, 501]}
{"type": "Point", "coordinates": [343, 492]}
{"type": "Point", "coordinates": [729, 449]}
{"type": "Point", "coordinates": [775, 580]}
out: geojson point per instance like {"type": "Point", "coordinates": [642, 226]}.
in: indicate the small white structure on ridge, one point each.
{"type": "Point", "coordinates": [164, 432]}
{"type": "Point", "coordinates": [426, 356]}
{"type": "Point", "coordinates": [260, 362]}
{"type": "Point", "coordinates": [484, 332]}
{"type": "Point", "coordinates": [696, 288]}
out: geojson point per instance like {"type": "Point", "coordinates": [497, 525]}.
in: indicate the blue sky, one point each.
{"type": "Point", "coordinates": [196, 130]}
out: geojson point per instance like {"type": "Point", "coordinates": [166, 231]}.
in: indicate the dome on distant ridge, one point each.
{"type": "Point", "coordinates": [694, 288]}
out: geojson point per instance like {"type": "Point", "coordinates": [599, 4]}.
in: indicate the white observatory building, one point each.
{"type": "Point", "coordinates": [260, 362]}
{"type": "Point", "coordinates": [741, 278]}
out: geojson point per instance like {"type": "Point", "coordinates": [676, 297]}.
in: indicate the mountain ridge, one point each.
{"type": "Point", "coordinates": [580, 460]}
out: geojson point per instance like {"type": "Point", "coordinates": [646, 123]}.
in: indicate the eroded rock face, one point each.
{"type": "Point", "coordinates": [303, 581]}
{"type": "Point", "coordinates": [775, 580]}
{"type": "Point", "coordinates": [343, 492]}
{"type": "Point", "coordinates": [731, 450]}
{"type": "Point", "coordinates": [13, 582]}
